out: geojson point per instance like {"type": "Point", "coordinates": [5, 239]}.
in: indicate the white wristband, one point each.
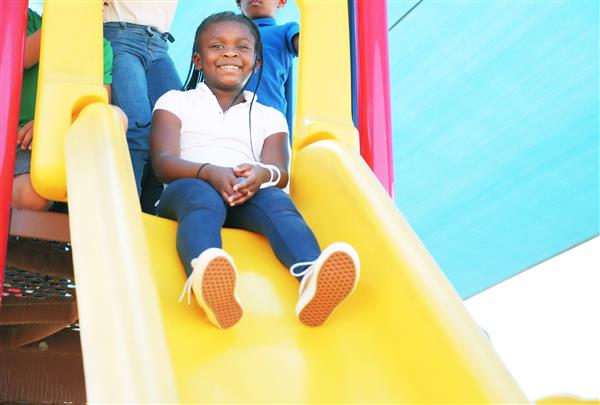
{"type": "Point", "coordinates": [273, 181]}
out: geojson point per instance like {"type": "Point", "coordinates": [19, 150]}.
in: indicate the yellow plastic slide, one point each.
{"type": "Point", "coordinates": [402, 337]}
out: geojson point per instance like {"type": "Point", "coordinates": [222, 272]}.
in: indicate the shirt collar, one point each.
{"type": "Point", "coordinates": [265, 22]}
{"type": "Point", "coordinates": [203, 88]}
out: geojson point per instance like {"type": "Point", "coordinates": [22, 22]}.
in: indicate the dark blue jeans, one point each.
{"type": "Point", "coordinates": [142, 72]}
{"type": "Point", "coordinates": [201, 213]}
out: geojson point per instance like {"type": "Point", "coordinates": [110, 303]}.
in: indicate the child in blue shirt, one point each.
{"type": "Point", "coordinates": [280, 46]}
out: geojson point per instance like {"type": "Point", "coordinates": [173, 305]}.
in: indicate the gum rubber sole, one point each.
{"type": "Point", "coordinates": [334, 283]}
{"type": "Point", "coordinates": [218, 292]}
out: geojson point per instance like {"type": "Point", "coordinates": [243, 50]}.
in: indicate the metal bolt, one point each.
{"type": "Point", "coordinates": [43, 346]}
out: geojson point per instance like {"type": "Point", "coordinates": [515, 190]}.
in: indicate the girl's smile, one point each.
{"type": "Point", "coordinates": [230, 68]}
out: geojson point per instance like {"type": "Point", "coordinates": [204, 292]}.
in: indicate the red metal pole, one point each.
{"type": "Point", "coordinates": [374, 114]}
{"type": "Point", "coordinates": [13, 23]}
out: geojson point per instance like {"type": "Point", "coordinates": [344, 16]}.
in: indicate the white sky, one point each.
{"type": "Point", "coordinates": [36, 5]}
{"type": "Point", "coordinates": [545, 324]}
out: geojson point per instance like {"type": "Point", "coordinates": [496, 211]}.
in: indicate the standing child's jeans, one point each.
{"type": "Point", "coordinates": [142, 72]}
{"type": "Point", "coordinates": [201, 213]}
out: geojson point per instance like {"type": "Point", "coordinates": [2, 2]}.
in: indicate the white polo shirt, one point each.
{"type": "Point", "coordinates": [209, 135]}
{"type": "Point", "coordinates": [156, 13]}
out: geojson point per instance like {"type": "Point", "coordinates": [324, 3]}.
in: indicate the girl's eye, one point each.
{"type": "Point", "coordinates": [216, 46]}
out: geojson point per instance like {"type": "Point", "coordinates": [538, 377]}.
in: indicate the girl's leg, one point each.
{"type": "Point", "coordinates": [25, 197]}
{"type": "Point", "coordinates": [199, 212]}
{"type": "Point", "coordinates": [272, 213]}
{"type": "Point", "coordinates": [130, 92]}
{"type": "Point", "coordinates": [152, 189]}
{"type": "Point", "coordinates": [331, 277]}
{"type": "Point", "coordinates": [23, 194]}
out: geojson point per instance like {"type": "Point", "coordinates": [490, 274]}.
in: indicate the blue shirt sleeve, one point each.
{"type": "Point", "coordinates": [292, 29]}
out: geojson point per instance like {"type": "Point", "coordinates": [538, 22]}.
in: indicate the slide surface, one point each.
{"type": "Point", "coordinates": [403, 336]}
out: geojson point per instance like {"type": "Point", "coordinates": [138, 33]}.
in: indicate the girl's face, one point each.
{"type": "Point", "coordinates": [225, 54]}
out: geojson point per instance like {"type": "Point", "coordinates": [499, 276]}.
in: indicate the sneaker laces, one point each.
{"type": "Point", "coordinates": [187, 288]}
{"type": "Point", "coordinates": [303, 272]}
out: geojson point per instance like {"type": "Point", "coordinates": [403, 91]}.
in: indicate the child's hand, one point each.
{"type": "Point", "coordinates": [253, 176]}
{"type": "Point", "coordinates": [222, 179]}
{"type": "Point", "coordinates": [25, 136]}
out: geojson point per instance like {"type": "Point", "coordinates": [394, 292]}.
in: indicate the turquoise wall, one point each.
{"type": "Point", "coordinates": [495, 120]}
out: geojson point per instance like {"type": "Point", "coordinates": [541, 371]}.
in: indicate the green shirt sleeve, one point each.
{"type": "Point", "coordinates": [30, 76]}
{"type": "Point", "coordinates": [108, 62]}
{"type": "Point", "coordinates": [34, 21]}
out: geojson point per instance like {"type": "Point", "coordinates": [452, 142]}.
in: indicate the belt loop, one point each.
{"type": "Point", "coordinates": [123, 25]}
{"type": "Point", "coordinates": [169, 37]}
{"type": "Point", "coordinates": [149, 30]}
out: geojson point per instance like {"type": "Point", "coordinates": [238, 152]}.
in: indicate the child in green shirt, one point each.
{"type": "Point", "coordinates": [23, 194]}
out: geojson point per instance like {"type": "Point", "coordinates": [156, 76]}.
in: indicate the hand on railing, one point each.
{"type": "Point", "coordinates": [25, 136]}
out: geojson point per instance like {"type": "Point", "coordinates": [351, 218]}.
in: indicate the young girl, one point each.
{"type": "Point", "coordinates": [224, 157]}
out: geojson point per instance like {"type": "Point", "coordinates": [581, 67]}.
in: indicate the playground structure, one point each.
{"type": "Point", "coordinates": [404, 336]}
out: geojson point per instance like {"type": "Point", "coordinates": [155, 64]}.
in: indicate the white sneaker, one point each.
{"type": "Point", "coordinates": [213, 282]}
{"type": "Point", "coordinates": [327, 282]}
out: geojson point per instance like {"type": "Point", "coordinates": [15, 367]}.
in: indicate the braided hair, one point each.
{"type": "Point", "coordinates": [195, 76]}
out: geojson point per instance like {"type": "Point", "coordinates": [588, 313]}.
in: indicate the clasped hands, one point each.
{"type": "Point", "coordinates": [238, 184]}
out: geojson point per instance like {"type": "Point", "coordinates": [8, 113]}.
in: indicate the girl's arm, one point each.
{"type": "Point", "coordinates": [296, 42]}
{"type": "Point", "coordinates": [168, 166]}
{"type": "Point", "coordinates": [32, 49]}
{"type": "Point", "coordinates": [164, 148]}
{"type": "Point", "coordinates": [276, 152]}
{"type": "Point", "coordinates": [108, 88]}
